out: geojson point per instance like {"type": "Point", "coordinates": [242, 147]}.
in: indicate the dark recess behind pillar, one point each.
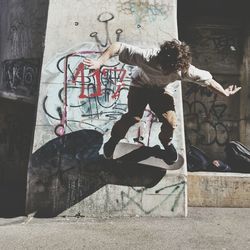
{"type": "Point", "coordinates": [22, 29]}
{"type": "Point", "coordinates": [215, 30]}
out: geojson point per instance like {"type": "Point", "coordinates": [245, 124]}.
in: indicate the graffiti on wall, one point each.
{"type": "Point", "coordinates": [176, 189]}
{"type": "Point", "coordinates": [105, 18]}
{"type": "Point", "coordinates": [210, 120]}
{"type": "Point", "coordinates": [88, 98]}
{"type": "Point", "coordinates": [96, 101]}
{"type": "Point", "coordinates": [144, 10]}
{"type": "Point", "coordinates": [25, 32]}
{"type": "Point", "coordinates": [215, 47]}
{"type": "Point", "coordinates": [207, 119]}
{"type": "Point", "coordinates": [21, 76]}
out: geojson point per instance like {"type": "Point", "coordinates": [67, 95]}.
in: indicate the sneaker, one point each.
{"type": "Point", "coordinates": [169, 155]}
{"type": "Point", "coordinates": [109, 148]}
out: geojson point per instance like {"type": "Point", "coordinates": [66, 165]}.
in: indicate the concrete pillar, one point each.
{"type": "Point", "coordinates": [22, 25]}
{"type": "Point", "coordinates": [22, 29]}
{"type": "Point", "coordinates": [60, 178]}
{"type": "Point", "coordinates": [245, 93]}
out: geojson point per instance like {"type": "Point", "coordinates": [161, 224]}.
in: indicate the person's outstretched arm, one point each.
{"type": "Point", "coordinates": [218, 89]}
{"type": "Point", "coordinates": [94, 65]}
{"type": "Point", "coordinates": [205, 79]}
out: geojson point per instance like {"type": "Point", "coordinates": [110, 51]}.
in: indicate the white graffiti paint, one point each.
{"type": "Point", "coordinates": [93, 102]}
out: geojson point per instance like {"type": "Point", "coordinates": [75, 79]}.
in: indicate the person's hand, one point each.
{"type": "Point", "coordinates": [93, 65]}
{"type": "Point", "coordinates": [232, 89]}
{"type": "Point", "coordinates": [216, 163]}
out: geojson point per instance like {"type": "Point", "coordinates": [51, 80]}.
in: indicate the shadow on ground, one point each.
{"type": "Point", "coordinates": [69, 168]}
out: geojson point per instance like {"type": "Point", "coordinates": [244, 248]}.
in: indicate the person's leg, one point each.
{"type": "Point", "coordinates": [169, 124]}
{"type": "Point", "coordinates": [137, 101]}
{"type": "Point", "coordinates": [162, 105]}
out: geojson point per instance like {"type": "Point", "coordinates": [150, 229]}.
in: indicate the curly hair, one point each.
{"type": "Point", "coordinates": [174, 56]}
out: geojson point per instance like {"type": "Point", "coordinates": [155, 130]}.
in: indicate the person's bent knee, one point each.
{"type": "Point", "coordinates": [165, 137]}
{"type": "Point", "coordinates": [131, 119]}
{"type": "Point", "coordinates": [137, 118]}
{"type": "Point", "coordinates": [168, 127]}
{"type": "Point", "coordinates": [170, 119]}
{"type": "Point", "coordinates": [121, 127]}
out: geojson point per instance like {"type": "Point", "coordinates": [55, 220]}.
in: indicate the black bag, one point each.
{"type": "Point", "coordinates": [238, 157]}
{"type": "Point", "coordinates": [197, 160]}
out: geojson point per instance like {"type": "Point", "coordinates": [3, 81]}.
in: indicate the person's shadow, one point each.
{"type": "Point", "coordinates": [72, 164]}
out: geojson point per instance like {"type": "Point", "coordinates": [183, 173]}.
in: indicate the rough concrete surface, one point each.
{"type": "Point", "coordinates": [211, 189]}
{"type": "Point", "coordinates": [94, 104]}
{"type": "Point", "coordinates": [204, 228]}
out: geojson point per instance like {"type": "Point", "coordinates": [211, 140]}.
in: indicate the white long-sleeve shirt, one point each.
{"type": "Point", "coordinates": [149, 73]}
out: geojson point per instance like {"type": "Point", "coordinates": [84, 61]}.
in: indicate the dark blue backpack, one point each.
{"type": "Point", "coordinates": [197, 160]}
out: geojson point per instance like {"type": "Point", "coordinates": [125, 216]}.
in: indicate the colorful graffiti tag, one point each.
{"type": "Point", "coordinates": [84, 101]}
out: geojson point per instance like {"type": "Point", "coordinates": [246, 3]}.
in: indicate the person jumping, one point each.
{"type": "Point", "coordinates": [156, 68]}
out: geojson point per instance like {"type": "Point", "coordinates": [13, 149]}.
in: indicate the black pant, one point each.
{"type": "Point", "coordinates": [160, 102]}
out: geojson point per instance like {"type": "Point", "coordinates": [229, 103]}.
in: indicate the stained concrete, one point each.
{"type": "Point", "coordinates": [80, 30]}
{"type": "Point", "coordinates": [204, 228]}
{"type": "Point", "coordinates": [211, 189]}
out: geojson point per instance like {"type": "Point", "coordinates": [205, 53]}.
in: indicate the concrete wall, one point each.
{"type": "Point", "coordinates": [219, 39]}
{"type": "Point", "coordinates": [22, 28]}
{"type": "Point", "coordinates": [16, 126]}
{"type": "Point", "coordinates": [21, 47]}
{"type": "Point", "coordinates": [244, 97]}
{"type": "Point", "coordinates": [210, 120]}
{"type": "Point", "coordinates": [57, 178]}
{"type": "Point", "coordinates": [216, 35]}
{"type": "Point", "coordinates": [218, 189]}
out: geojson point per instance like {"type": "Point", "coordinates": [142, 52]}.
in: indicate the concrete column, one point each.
{"type": "Point", "coordinates": [22, 30]}
{"type": "Point", "coordinates": [86, 108]}
{"type": "Point", "coordinates": [245, 93]}
{"type": "Point", "coordinates": [22, 25]}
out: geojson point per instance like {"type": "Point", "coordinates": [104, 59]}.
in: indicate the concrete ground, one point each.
{"type": "Point", "coordinates": [204, 228]}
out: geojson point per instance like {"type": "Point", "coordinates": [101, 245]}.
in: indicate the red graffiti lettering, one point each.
{"type": "Point", "coordinates": [114, 75]}
{"type": "Point", "coordinates": [80, 73]}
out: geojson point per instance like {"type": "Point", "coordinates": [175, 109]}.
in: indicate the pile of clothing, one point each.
{"type": "Point", "coordinates": [237, 159]}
